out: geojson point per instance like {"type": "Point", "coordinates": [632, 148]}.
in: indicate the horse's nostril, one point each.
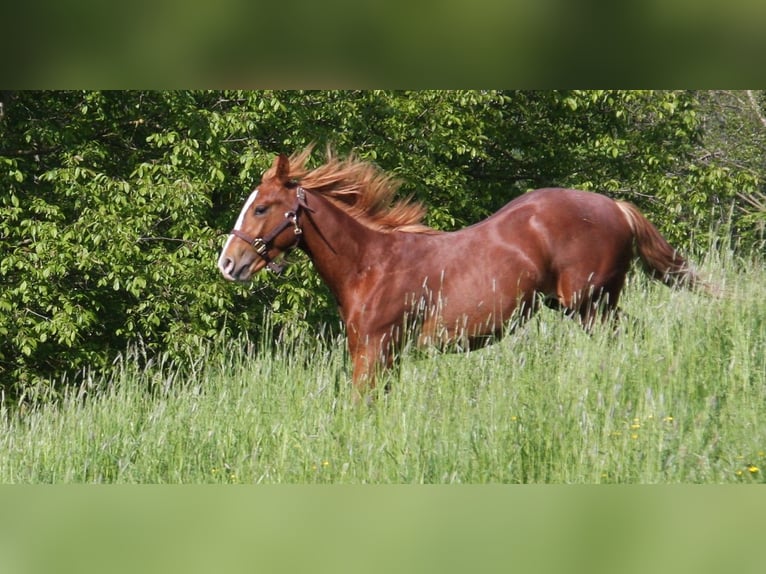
{"type": "Point", "coordinates": [226, 265]}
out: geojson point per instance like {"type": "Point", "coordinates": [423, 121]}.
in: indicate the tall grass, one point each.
{"type": "Point", "coordinates": [677, 395]}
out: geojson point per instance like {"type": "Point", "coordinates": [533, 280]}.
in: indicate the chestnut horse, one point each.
{"type": "Point", "coordinates": [392, 276]}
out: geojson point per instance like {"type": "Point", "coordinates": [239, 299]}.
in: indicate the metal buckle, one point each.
{"type": "Point", "coordinates": [292, 216]}
{"type": "Point", "coordinates": [260, 246]}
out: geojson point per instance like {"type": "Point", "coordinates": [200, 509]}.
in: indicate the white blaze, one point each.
{"type": "Point", "coordinates": [248, 203]}
{"type": "Point", "coordinates": [237, 226]}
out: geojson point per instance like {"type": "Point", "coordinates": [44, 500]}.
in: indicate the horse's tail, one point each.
{"type": "Point", "coordinates": [661, 261]}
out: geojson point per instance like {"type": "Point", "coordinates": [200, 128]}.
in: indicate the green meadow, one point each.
{"type": "Point", "coordinates": [676, 395]}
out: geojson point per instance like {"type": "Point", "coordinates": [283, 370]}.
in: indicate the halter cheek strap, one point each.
{"type": "Point", "coordinates": [261, 245]}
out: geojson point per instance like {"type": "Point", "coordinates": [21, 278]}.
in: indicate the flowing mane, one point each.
{"type": "Point", "coordinates": [360, 188]}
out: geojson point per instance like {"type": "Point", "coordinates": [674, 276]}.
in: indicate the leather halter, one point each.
{"type": "Point", "coordinates": [262, 244]}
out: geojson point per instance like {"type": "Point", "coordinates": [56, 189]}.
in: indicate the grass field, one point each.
{"type": "Point", "coordinates": [677, 396]}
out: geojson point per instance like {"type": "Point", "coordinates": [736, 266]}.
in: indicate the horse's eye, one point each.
{"type": "Point", "coordinates": [260, 209]}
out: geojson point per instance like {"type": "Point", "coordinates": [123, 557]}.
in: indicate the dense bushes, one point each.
{"type": "Point", "coordinates": [114, 204]}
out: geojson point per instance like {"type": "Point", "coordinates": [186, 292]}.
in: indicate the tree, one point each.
{"type": "Point", "coordinates": [734, 140]}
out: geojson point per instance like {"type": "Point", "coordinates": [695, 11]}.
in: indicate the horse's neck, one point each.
{"type": "Point", "coordinates": [335, 241]}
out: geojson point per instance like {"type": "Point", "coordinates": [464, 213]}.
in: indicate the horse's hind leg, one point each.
{"type": "Point", "coordinates": [593, 302]}
{"type": "Point", "coordinates": [602, 304]}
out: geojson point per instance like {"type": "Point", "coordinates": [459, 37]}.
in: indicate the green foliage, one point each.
{"type": "Point", "coordinates": [115, 204]}
{"type": "Point", "coordinates": [107, 232]}
{"type": "Point", "coordinates": [734, 140]}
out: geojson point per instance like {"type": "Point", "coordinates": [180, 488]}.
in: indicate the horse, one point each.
{"type": "Point", "coordinates": [393, 277]}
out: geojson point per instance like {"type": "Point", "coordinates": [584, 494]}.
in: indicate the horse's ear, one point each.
{"type": "Point", "coordinates": [282, 165]}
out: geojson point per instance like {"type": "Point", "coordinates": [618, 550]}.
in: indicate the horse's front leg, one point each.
{"type": "Point", "coordinates": [370, 355]}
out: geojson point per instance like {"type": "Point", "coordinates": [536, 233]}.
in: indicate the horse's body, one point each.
{"type": "Point", "coordinates": [392, 276]}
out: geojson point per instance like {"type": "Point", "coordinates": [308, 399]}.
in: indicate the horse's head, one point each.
{"type": "Point", "coordinates": [266, 227]}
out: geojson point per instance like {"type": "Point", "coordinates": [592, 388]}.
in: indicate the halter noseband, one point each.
{"type": "Point", "coordinates": [263, 244]}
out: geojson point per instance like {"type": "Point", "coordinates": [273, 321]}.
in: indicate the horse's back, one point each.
{"type": "Point", "coordinates": [542, 233]}
{"type": "Point", "coordinates": [563, 204]}
{"type": "Point", "coordinates": [564, 216]}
